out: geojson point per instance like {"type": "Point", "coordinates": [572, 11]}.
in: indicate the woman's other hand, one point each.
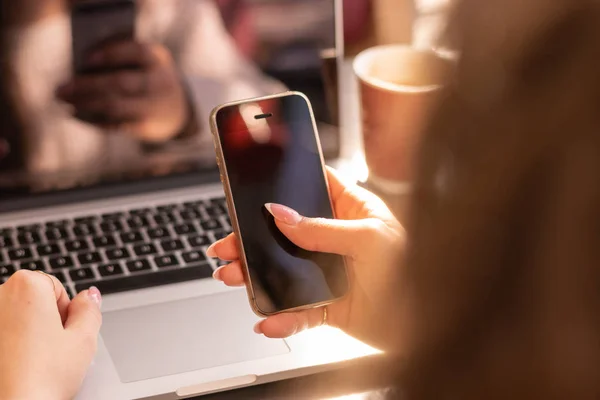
{"type": "Point", "coordinates": [47, 341]}
{"type": "Point", "coordinates": [367, 234]}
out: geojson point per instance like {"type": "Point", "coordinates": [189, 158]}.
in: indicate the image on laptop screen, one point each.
{"type": "Point", "coordinates": [97, 92]}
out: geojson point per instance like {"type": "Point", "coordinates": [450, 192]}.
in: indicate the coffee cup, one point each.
{"type": "Point", "coordinates": [399, 88]}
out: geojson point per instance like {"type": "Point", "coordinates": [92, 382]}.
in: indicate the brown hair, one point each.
{"type": "Point", "coordinates": [503, 266]}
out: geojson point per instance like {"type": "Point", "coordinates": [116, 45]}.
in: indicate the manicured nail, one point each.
{"type": "Point", "coordinates": [210, 252]}
{"type": "Point", "coordinates": [217, 274]}
{"type": "Point", "coordinates": [95, 295]}
{"type": "Point", "coordinates": [257, 328]}
{"type": "Point", "coordinates": [284, 214]}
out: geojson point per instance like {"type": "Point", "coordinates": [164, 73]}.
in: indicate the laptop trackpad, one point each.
{"type": "Point", "coordinates": [185, 335]}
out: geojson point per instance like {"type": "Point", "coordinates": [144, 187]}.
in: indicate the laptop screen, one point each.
{"type": "Point", "coordinates": [104, 92]}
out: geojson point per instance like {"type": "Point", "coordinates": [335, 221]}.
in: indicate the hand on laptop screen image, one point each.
{"type": "Point", "coordinates": [102, 91]}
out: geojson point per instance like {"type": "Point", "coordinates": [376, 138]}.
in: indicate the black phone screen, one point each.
{"type": "Point", "coordinates": [271, 156]}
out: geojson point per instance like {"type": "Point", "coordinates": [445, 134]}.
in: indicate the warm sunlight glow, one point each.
{"type": "Point", "coordinates": [259, 129]}
{"type": "Point", "coordinates": [332, 345]}
{"type": "Point", "coordinates": [355, 168]}
{"type": "Point", "coordinates": [358, 396]}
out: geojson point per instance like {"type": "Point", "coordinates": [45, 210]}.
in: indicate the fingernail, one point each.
{"type": "Point", "coordinates": [210, 252]}
{"type": "Point", "coordinates": [257, 328]}
{"type": "Point", "coordinates": [217, 273]}
{"type": "Point", "coordinates": [284, 214]}
{"type": "Point", "coordinates": [95, 295]}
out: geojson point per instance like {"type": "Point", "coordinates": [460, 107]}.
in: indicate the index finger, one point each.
{"type": "Point", "coordinates": [42, 286]}
{"type": "Point", "coordinates": [60, 293]}
{"type": "Point", "coordinates": [225, 249]}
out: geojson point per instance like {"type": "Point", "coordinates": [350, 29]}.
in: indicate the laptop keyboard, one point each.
{"type": "Point", "coordinates": [119, 251]}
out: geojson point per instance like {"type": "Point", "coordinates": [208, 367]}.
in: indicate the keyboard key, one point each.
{"type": "Point", "coordinates": [20, 254]}
{"type": "Point", "coordinates": [164, 219]}
{"type": "Point", "coordinates": [70, 292]}
{"type": "Point", "coordinates": [62, 262]}
{"type": "Point", "coordinates": [159, 233]}
{"type": "Point", "coordinates": [81, 274]}
{"type": "Point", "coordinates": [222, 201]}
{"type": "Point", "coordinates": [6, 270]}
{"type": "Point", "coordinates": [141, 211]}
{"type": "Point", "coordinates": [6, 231]}
{"type": "Point", "coordinates": [172, 245]}
{"type": "Point", "coordinates": [110, 270]}
{"type": "Point", "coordinates": [145, 249]}
{"type": "Point", "coordinates": [112, 216]}
{"type": "Point", "coordinates": [90, 258]}
{"type": "Point", "coordinates": [166, 208]}
{"type": "Point", "coordinates": [6, 241]}
{"type": "Point", "coordinates": [57, 224]}
{"type": "Point", "coordinates": [138, 222]}
{"type": "Point", "coordinates": [220, 235]}
{"type": "Point", "coordinates": [117, 254]}
{"type": "Point", "coordinates": [141, 281]}
{"type": "Point", "coordinates": [77, 245]}
{"type": "Point", "coordinates": [48, 250]}
{"type": "Point", "coordinates": [132, 237]}
{"type": "Point", "coordinates": [85, 230]}
{"type": "Point", "coordinates": [166, 261]}
{"type": "Point", "coordinates": [193, 204]}
{"type": "Point", "coordinates": [111, 226]}
{"type": "Point", "coordinates": [60, 276]}
{"type": "Point", "coordinates": [138, 266]}
{"type": "Point", "coordinates": [189, 215]}
{"type": "Point", "coordinates": [29, 228]}
{"type": "Point", "coordinates": [37, 265]}
{"type": "Point", "coordinates": [26, 238]}
{"type": "Point", "coordinates": [105, 241]}
{"type": "Point", "coordinates": [185, 229]}
{"type": "Point", "coordinates": [214, 211]}
{"type": "Point", "coordinates": [194, 257]}
{"type": "Point", "coordinates": [56, 234]}
{"type": "Point", "coordinates": [211, 225]}
{"type": "Point", "coordinates": [199, 241]}
{"type": "Point", "coordinates": [86, 219]}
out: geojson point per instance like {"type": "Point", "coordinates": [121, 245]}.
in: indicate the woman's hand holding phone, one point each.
{"type": "Point", "coordinates": [367, 234]}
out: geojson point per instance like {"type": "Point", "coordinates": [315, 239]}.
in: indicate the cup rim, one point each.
{"type": "Point", "coordinates": [359, 65]}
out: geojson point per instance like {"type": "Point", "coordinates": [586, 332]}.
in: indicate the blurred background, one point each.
{"type": "Point", "coordinates": [145, 113]}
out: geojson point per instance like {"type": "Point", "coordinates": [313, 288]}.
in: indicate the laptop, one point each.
{"type": "Point", "coordinates": [94, 204]}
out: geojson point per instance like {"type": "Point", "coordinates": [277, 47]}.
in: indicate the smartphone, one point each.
{"type": "Point", "coordinates": [268, 151]}
{"type": "Point", "coordinates": [94, 22]}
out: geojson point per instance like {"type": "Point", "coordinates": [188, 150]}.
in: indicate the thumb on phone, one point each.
{"type": "Point", "coordinates": [343, 237]}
